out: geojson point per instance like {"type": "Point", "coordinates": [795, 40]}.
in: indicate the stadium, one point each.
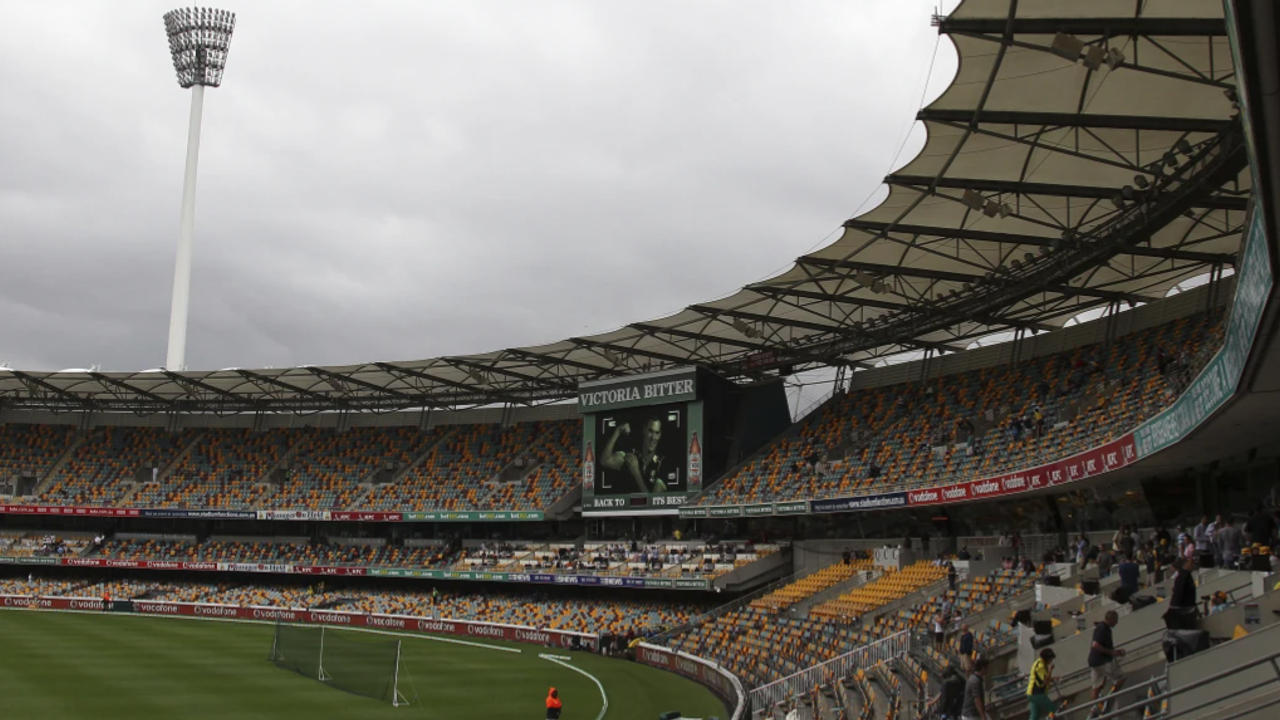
{"type": "Point", "coordinates": [1043, 480]}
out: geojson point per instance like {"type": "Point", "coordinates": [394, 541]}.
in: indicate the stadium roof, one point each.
{"type": "Point", "coordinates": [1087, 153]}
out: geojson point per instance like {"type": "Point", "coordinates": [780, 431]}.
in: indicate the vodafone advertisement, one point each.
{"type": "Point", "coordinates": [463, 628]}
{"type": "Point", "coordinates": [212, 566]}
{"type": "Point", "coordinates": [1115, 454]}
{"type": "Point", "coordinates": [691, 667]}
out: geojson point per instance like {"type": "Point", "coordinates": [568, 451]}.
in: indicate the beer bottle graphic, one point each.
{"type": "Point", "coordinates": [589, 469]}
{"type": "Point", "coordinates": [695, 462]}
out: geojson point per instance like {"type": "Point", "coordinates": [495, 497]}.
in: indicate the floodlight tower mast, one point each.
{"type": "Point", "coordinates": [198, 41]}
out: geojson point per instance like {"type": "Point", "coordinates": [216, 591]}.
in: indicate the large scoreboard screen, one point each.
{"type": "Point", "coordinates": [642, 443]}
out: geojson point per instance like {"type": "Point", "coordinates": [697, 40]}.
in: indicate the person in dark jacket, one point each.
{"type": "Point", "coordinates": [1182, 611]}
{"type": "Point", "coordinates": [952, 694]}
{"type": "Point", "coordinates": [553, 704]}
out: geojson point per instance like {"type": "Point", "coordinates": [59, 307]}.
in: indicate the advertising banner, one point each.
{"type": "Point", "coordinates": [497, 631]}
{"type": "Point", "coordinates": [473, 515]}
{"type": "Point", "coordinates": [292, 514]}
{"type": "Point", "coordinates": [289, 515]}
{"type": "Point", "coordinates": [59, 510]}
{"type": "Point", "coordinates": [866, 502]}
{"type": "Point", "coordinates": [667, 386]}
{"type": "Point", "coordinates": [719, 681]}
{"type": "Point", "coordinates": [216, 514]}
{"type": "Point", "coordinates": [1115, 454]}
{"type": "Point", "coordinates": [1217, 382]}
{"type": "Point", "coordinates": [366, 516]}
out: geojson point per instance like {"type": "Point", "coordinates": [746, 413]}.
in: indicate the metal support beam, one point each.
{"type": "Point", "coordinates": [471, 391]}
{"type": "Point", "coordinates": [259, 379]}
{"type": "Point", "coordinates": [883, 228]}
{"type": "Point", "coordinates": [1105, 26]}
{"type": "Point", "coordinates": [1081, 120]}
{"type": "Point", "coordinates": [336, 379]}
{"type": "Point", "coordinates": [1018, 187]}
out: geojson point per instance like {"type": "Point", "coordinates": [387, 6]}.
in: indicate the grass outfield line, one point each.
{"type": "Point", "coordinates": [58, 665]}
{"type": "Point", "coordinates": [604, 697]}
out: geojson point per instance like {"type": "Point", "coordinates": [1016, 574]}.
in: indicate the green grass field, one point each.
{"type": "Point", "coordinates": [60, 665]}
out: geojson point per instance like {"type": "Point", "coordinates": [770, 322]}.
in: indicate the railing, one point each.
{"type": "Point", "coordinates": [708, 673]}
{"type": "Point", "coordinates": [1158, 698]}
{"type": "Point", "coordinates": [780, 691]}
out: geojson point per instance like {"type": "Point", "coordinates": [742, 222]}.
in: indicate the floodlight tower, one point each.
{"type": "Point", "coordinates": [198, 41]}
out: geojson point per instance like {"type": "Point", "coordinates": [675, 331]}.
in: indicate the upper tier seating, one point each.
{"type": "Point", "coordinates": [30, 450]}
{"type": "Point", "coordinates": [527, 466]}
{"type": "Point", "coordinates": [485, 467]}
{"type": "Point", "coordinates": [328, 467]}
{"type": "Point", "coordinates": [223, 470]}
{"type": "Point", "coordinates": [979, 423]}
{"type": "Point", "coordinates": [103, 470]}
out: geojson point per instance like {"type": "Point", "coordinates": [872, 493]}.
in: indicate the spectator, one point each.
{"type": "Point", "coordinates": [554, 706]}
{"type": "Point", "coordinates": [1181, 614]}
{"type": "Point", "coordinates": [1038, 686]}
{"type": "Point", "coordinates": [1212, 533]}
{"type": "Point", "coordinates": [966, 642]}
{"type": "Point", "coordinates": [974, 706]}
{"type": "Point", "coordinates": [939, 630]}
{"type": "Point", "coordinates": [953, 686]}
{"type": "Point", "coordinates": [951, 575]}
{"type": "Point", "coordinates": [1261, 527]}
{"type": "Point", "coordinates": [1200, 534]}
{"type": "Point", "coordinates": [1227, 541]}
{"type": "Point", "coordinates": [1103, 654]}
{"type": "Point", "coordinates": [1128, 571]}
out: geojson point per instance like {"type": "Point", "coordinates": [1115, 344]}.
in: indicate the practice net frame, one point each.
{"type": "Point", "coordinates": [359, 665]}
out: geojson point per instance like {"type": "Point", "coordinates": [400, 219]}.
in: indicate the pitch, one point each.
{"type": "Point", "coordinates": [62, 665]}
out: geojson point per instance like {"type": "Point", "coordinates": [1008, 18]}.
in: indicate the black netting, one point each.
{"type": "Point", "coordinates": [364, 665]}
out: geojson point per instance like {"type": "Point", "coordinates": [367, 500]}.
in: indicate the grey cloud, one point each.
{"type": "Point", "coordinates": [402, 180]}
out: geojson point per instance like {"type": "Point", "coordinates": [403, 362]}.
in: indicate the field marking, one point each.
{"type": "Point", "coordinates": [556, 659]}
{"type": "Point", "coordinates": [419, 636]}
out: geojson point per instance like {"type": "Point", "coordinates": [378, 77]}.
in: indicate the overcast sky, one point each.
{"type": "Point", "coordinates": [401, 180]}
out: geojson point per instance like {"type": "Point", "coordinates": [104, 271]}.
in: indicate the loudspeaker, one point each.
{"type": "Point", "coordinates": [1052, 580]}
{"type": "Point", "coordinates": [1042, 627]}
{"type": "Point", "coordinates": [1038, 641]}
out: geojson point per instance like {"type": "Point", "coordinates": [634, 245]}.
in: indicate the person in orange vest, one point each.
{"type": "Point", "coordinates": [553, 704]}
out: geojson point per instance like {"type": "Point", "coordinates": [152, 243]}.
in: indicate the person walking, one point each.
{"type": "Point", "coordinates": [1102, 656]}
{"type": "Point", "coordinates": [975, 705]}
{"type": "Point", "coordinates": [1038, 686]}
{"type": "Point", "coordinates": [554, 706]}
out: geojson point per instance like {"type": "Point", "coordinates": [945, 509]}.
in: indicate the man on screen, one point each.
{"type": "Point", "coordinates": [642, 467]}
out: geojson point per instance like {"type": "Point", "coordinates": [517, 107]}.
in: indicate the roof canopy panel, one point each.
{"type": "Point", "coordinates": [1086, 153]}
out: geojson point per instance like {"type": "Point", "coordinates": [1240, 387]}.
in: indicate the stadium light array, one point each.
{"type": "Point", "coordinates": [199, 39]}
{"type": "Point", "coordinates": [198, 42]}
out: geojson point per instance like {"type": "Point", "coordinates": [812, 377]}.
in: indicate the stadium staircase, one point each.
{"type": "Point", "coordinates": [856, 581]}
{"type": "Point", "coordinates": [50, 476]}
{"type": "Point", "coordinates": [417, 460]}
{"type": "Point", "coordinates": [1139, 632]}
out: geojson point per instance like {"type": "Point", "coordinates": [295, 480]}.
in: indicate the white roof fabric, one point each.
{"type": "Point", "coordinates": [1086, 153]}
